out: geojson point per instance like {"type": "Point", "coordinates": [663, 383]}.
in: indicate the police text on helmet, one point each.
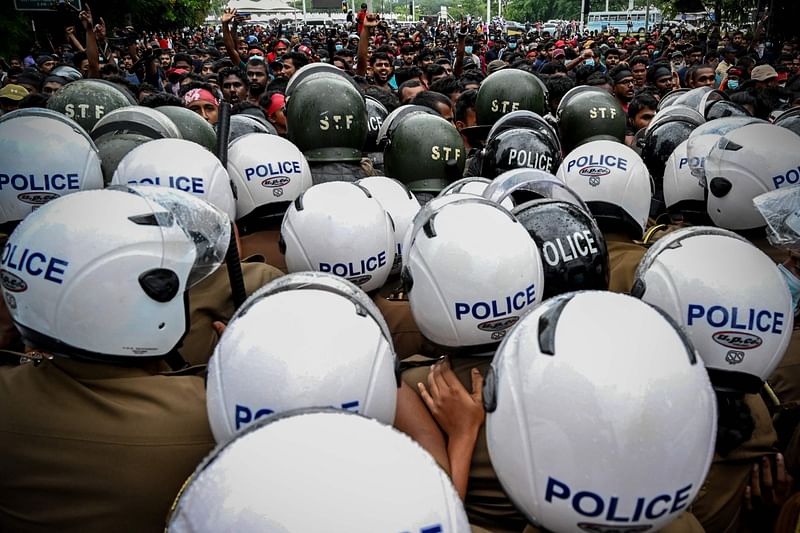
{"type": "Point", "coordinates": [244, 415]}
{"type": "Point", "coordinates": [792, 176]}
{"type": "Point", "coordinates": [34, 263]}
{"type": "Point", "coordinates": [495, 308]}
{"type": "Point", "coordinates": [182, 183]}
{"type": "Point", "coordinates": [579, 244]}
{"type": "Point", "coordinates": [598, 160]}
{"type": "Point", "coordinates": [526, 158]}
{"type": "Point", "coordinates": [593, 505]}
{"type": "Point", "coordinates": [718, 316]}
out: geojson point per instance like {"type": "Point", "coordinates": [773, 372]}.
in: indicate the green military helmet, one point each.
{"type": "Point", "coordinates": [425, 152]}
{"type": "Point", "coordinates": [589, 114]}
{"type": "Point", "coordinates": [327, 119]}
{"type": "Point", "coordinates": [113, 148]}
{"type": "Point", "coordinates": [87, 101]}
{"type": "Point", "coordinates": [313, 70]}
{"type": "Point", "coordinates": [509, 90]}
{"type": "Point", "coordinates": [192, 126]}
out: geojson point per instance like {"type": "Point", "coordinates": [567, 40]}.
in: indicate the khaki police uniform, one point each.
{"type": "Point", "coordinates": [265, 243]}
{"type": "Point", "coordinates": [684, 523]}
{"type": "Point", "coordinates": [785, 388]}
{"type": "Point", "coordinates": [95, 447]}
{"type": "Point", "coordinates": [623, 257]}
{"type": "Point", "coordinates": [210, 301]}
{"type": "Point", "coordinates": [486, 503]}
{"type": "Point", "coordinates": [720, 503]}
{"type": "Point", "coordinates": [406, 337]}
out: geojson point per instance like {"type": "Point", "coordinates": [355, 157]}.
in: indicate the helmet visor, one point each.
{"type": "Point", "coordinates": [207, 227]}
{"type": "Point", "coordinates": [539, 182]}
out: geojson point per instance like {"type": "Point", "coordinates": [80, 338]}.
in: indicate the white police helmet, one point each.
{"type": "Point", "coordinates": [740, 331]}
{"type": "Point", "coordinates": [424, 213]}
{"type": "Point", "coordinates": [472, 272]}
{"type": "Point", "coordinates": [178, 164]}
{"type": "Point", "coordinates": [706, 135]}
{"type": "Point", "coordinates": [613, 181]}
{"type": "Point", "coordinates": [399, 202]}
{"type": "Point", "coordinates": [746, 162]}
{"type": "Point", "coordinates": [318, 470]}
{"type": "Point", "coordinates": [590, 425]}
{"type": "Point", "coordinates": [681, 187]}
{"type": "Point", "coordinates": [339, 227]}
{"type": "Point", "coordinates": [102, 274]}
{"type": "Point", "coordinates": [476, 186]}
{"type": "Point", "coordinates": [348, 363]}
{"type": "Point", "coordinates": [43, 155]}
{"type": "Point", "coordinates": [268, 172]}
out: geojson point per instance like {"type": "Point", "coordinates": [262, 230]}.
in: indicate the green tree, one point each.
{"type": "Point", "coordinates": [17, 33]}
{"type": "Point", "coordinates": [156, 14]}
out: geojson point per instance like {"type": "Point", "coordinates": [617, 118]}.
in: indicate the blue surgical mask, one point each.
{"type": "Point", "coordinates": [733, 84]}
{"type": "Point", "coordinates": [793, 283]}
{"type": "Point", "coordinates": [512, 45]}
{"type": "Point", "coordinates": [589, 62]}
{"type": "Point", "coordinates": [467, 49]}
{"type": "Point", "coordinates": [339, 47]}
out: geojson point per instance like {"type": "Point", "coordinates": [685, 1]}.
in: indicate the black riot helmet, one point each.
{"type": "Point", "coordinates": [573, 250]}
{"type": "Point", "coordinates": [527, 120]}
{"type": "Point", "coordinates": [242, 124]}
{"type": "Point", "coordinates": [519, 148]}
{"type": "Point", "coordinates": [376, 115]}
{"type": "Point", "coordinates": [666, 131]}
{"type": "Point", "coordinates": [723, 109]}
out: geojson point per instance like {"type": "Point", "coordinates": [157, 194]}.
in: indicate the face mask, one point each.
{"type": "Point", "coordinates": [339, 47]}
{"type": "Point", "coordinates": [512, 45]}
{"type": "Point", "coordinates": [467, 49]}
{"type": "Point", "coordinates": [793, 283]}
{"type": "Point", "coordinates": [733, 84]}
{"type": "Point", "coordinates": [589, 62]}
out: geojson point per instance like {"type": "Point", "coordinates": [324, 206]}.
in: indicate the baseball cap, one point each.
{"type": "Point", "coordinates": [558, 52]}
{"type": "Point", "coordinates": [559, 44]}
{"type": "Point", "coordinates": [763, 73]}
{"type": "Point", "coordinates": [13, 92]}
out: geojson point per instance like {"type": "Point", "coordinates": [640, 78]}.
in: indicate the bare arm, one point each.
{"type": "Point", "coordinates": [92, 53]}
{"type": "Point", "coordinates": [413, 419]}
{"type": "Point", "coordinates": [69, 31]}
{"type": "Point", "coordinates": [459, 413]}
{"type": "Point", "coordinates": [458, 65]}
{"type": "Point", "coordinates": [229, 35]}
{"type": "Point", "coordinates": [370, 21]}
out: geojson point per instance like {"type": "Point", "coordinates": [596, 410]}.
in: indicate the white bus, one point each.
{"type": "Point", "coordinates": [634, 20]}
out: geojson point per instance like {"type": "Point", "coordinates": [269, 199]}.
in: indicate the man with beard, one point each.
{"type": "Point", "coordinates": [257, 77]}
{"type": "Point", "coordinates": [382, 70]}
{"type": "Point", "coordinates": [234, 85]}
{"type": "Point", "coordinates": [623, 85]}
